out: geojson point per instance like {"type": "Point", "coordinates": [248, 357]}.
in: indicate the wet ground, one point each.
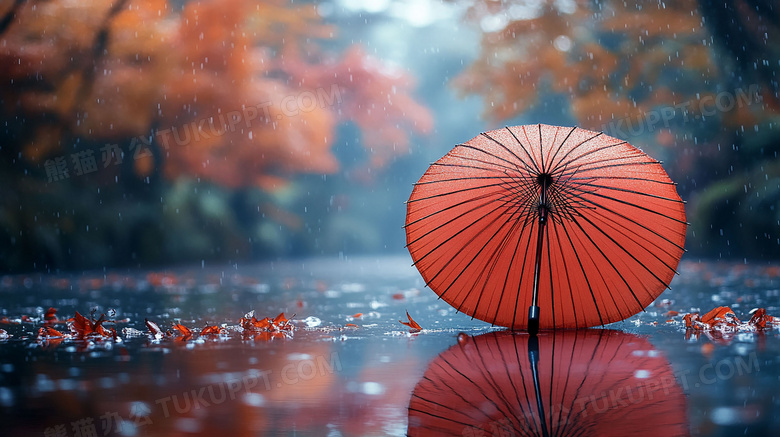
{"type": "Point", "coordinates": [348, 367]}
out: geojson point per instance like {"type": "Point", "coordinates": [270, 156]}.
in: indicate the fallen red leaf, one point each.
{"type": "Point", "coordinates": [689, 320]}
{"type": "Point", "coordinates": [47, 332]}
{"type": "Point", "coordinates": [760, 319]}
{"type": "Point", "coordinates": [83, 327]}
{"type": "Point", "coordinates": [280, 319]}
{"type": "Point", "coordinates": [50, 316]}
{"type": "Point", "coordinates": [153, 329]}
{"type": "Point", "coordinates": [357, 315]}
{"type": "Point", "coordinates": [718, 314]}
{"type": "Point", "coordinates": [352, 325]}
{"type": "Point", "coordinates": [414, 327]}
{"type": "Point", "coordinates": [183, 330]}
{"type": "Point", "coordinates": [211, 330]}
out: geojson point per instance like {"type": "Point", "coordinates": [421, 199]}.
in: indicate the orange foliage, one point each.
{"type": "Point", "coordinates": [183, 330]}
{"type": "Point", "coordinates": [414, 327]}
{"type": "Point", "coordinates": [211, 330]}
{"type": "Point", "coordinates": [47, 332]}
{"type": "Point", "coordinates": [236, 92]}
{"type": "Point", "coordinates": [50, 316]}
{"type": "Point", "coordinates": [724, 319]}
{"type": "Point", "coordinates": [559, 47]}
{"type": "Point", "coordinates": [83, 327]}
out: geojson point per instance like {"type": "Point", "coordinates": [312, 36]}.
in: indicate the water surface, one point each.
{"type": "Point", "coordinates": [349, 367]}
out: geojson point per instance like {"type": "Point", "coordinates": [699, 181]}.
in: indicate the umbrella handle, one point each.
{"type": "Point", "coordinates": [533, 359]}
{"type": "Point", "coordinates": [533, 319]}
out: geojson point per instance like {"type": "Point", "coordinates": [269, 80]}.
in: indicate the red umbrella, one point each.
{"type": "Point", "coordinates": [580, 228]}
{"type": "Point", "coordinates": [585, 382]}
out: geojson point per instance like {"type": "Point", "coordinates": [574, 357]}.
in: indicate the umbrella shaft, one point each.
{"type": "Point", "coordinates": [539, 245]}
{"type": "Point", "coordinates": [533, 310]}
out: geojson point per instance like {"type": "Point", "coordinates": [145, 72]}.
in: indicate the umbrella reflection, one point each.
{"type": "Point", "coordinates": [585, 382]}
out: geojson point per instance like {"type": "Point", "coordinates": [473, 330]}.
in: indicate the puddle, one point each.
{"type": "Point", "coordinates": [348, 367]}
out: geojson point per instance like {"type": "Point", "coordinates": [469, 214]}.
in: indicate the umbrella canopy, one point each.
{"type": "Point", "coordinates": [584, 382]}
{"type": "Point", "coordinates": [581, 228]}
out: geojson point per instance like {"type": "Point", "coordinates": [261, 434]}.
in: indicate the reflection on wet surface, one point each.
{"type": "Point", "coordinates": [348, 367]}
{"type": "Point", "coordinates": [587, 382]}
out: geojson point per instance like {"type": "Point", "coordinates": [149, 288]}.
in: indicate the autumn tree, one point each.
{"type": "Point", "coordinates": [692, 83]}
{"type": "Point", "coordinates": [136, 93]}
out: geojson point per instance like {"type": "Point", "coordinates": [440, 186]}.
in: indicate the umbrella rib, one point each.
{"type": "Point", "coordinates": [529, 167]}
{"type": "Point", "coordinates": [588, 166]}
{"type": "Point", "coordinates": [459, 191]}
{"type": "Point", "coordinates": [575, 147]}
{"type": "Point", "coordinates": [472, 382]}
{"type": "Point", "coordinates": [490, 379]}
{"type": "Point", "coordinates": [630, 254]}
{"type": "Point", "coordinates": [528, 219]}
{"type": "Point", "coordinates": [584, 275]}
{"type": "Point", "coordinates": [570, 193]}
{"type": "Point", "coordinates": [626, 190]}
{"type": "Point", "coordinates": [507, 360]}
{"type": "Point", "coordinates": [523, 148]}
{"type": "Point", "coordinates": [494, 258]}
{"type": "Point", "coordinates": [618, 228]}
{"type": "Point", "coordinates": [586, 372]}
{"type": "Point", "coordinates": [566, 272]}
{"type": "Point", "coordinates": [643, 208]}
{"type": "Point", "coordinates": [500, 248]}
{"type": "Point", "coordinates": [512, 165]}
{"type": "Point", "coordinates": [549, 270]}
{"type": "Point", "coordinates": [439, 211]}
{"type": "Point", "coordinates": [625, 178]}
{"type": "Point", "coordinates": [609, 289]}
{"type": "Point", "coordinates": [464, 245]}
{"type": "Point", "coordinates": [453, 390]}
{"type": "Point", "coordinates": [497, 174]}
{"type": "Point", "coordinates": [484, 246]}
{"type": "Point", "coordinates": [491, 165]}
{"type": "Point", "coordinates": [565, 384]}
{"type": "Point", "coordinates": [555, 155]}
{"type": "Point", "coordinates": [518, 399]}
{"type": "Point", "coordinates": [541, 146]}
{"type": "Point", "coordinates": [438, 416]}
{"type": "Point", "coordinates": [565, 158]}
{"type": "Point", "coordinates": [441, 243]}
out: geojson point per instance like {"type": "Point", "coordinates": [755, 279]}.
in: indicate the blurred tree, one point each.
{"type": "Point", "coordinates": [124, 95]}
{"type": "Point", "coordinates": [659, 74]}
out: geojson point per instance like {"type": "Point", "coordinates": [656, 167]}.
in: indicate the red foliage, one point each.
{"type": "Point", "coordinates": [414, 327]}
{"type": "Point", "coordinates": [761, 319]}
{"type": "Point", "coordinates": [47, 332]}
{"type": "Point", "coordinates": [82, 327]}
{"type": "Point", "coordinates": [50, 317]}
{"type": "Point", "coordinates": [239, 91]}
{"type": "Point", "coordinates": [721, 324]}
{"type": "Point", "coordinates": [212, 330]}
{"type": "Point", "coordinates": [183, 330]}
{"type": "Point", "coordinates": [154, 330]}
